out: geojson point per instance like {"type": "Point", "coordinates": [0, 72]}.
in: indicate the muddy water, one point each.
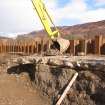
{"type": "Point", "coordinates": [18, 90]}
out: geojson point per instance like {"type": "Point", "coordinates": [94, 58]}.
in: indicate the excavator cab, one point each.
{"type": "Point", "coordinates": [58, 42]}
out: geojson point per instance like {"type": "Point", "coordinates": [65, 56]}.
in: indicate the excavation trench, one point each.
{"type": "Point", "coordinates": [88, 89]}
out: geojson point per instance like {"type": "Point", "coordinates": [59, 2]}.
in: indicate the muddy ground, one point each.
{"type": "Point", "coordinates": [18, 89]}
{"type": "Point", "coordinates": [42, 84]}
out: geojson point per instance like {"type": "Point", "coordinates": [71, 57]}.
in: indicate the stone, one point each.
{"type": "Point", "coordinates": [55, 62]}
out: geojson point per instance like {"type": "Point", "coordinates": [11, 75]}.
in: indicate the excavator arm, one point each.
{"type": "Point", "coordinates": [58, 42]}
{"type": "Point", "coordinates": [45, 18]}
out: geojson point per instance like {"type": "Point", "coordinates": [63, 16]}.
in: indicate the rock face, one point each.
{"type": "Point", "coordinates": [52, 80]}
{"type": "Point", "coordinates": [88, 89]}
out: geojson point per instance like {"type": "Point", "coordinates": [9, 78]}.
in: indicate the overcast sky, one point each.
{"type": "Point", "coordinates": [18, 16]}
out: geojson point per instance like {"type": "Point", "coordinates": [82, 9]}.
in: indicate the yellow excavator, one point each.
{"type": "Point", "coordinates": [58, 42]}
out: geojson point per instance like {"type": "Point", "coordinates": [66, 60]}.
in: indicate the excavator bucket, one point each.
{"type": "Point", "coordinates": [64, 44]}
{"type": "Point", "coordinates": [61, 44]}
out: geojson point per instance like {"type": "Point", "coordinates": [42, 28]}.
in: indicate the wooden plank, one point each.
{"type": "Point", "coordinates": [67, 89]}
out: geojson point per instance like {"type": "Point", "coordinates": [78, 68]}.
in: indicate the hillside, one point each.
{"type": "Point", "coordinates": [87, 30]}
{"type": "Point", "coordinates": [82, 30]}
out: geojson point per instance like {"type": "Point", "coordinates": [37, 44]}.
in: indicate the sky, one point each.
{"type": "Point", "coordinates": [18, 16]}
